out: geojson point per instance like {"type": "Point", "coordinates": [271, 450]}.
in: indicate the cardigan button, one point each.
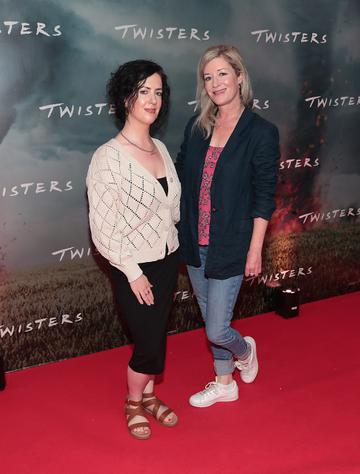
{"type": "Point", "coordinates": [213, 209]}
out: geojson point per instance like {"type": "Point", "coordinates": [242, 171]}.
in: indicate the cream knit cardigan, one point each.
{"type": "Point", "coordinates": [131, 218]}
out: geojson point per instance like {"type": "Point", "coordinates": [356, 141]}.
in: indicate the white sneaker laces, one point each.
{"type": "Point", "coordinates": [242, 364]}
{"type": "Point", "coordinates": [210, 388]}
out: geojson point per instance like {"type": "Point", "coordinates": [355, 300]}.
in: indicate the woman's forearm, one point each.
{"type": "Point", "coordinates": [258, 235]}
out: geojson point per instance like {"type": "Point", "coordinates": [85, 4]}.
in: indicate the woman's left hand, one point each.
{"type": "Point", "coordinates": [253, 263]}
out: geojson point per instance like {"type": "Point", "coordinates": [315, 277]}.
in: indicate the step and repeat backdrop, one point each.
{"type": "Point", "coordinates": [56, 300]}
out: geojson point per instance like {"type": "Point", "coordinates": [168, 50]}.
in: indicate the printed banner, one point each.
{"type": "Point", "coordinates": [56, 300]}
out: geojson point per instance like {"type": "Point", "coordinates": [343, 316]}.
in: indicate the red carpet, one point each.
{"type": "Point", "coordinates": [300, 416]}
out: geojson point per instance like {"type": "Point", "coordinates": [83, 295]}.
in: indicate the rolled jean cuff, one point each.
{"type": "Point", "coordinates": [224, 367]}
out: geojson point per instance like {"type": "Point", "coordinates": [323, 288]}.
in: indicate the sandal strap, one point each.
{"type": "Point", "coordinates": [164, 414]}
{"type": "Point", "coordinates": [133, 412]}
{"type": "Point", "coordinates": [133, 403]}
{"type": "Point", "coordinates": [154, 405]}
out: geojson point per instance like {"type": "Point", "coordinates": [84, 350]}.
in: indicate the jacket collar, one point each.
{"type": "Point", "coordinates": [242, 124]}
{"type": "Point", "coordinates": [202, 144]}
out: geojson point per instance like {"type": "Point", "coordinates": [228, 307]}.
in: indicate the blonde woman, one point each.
{"type": "Point", "coordinates": [134, 196]}
{"type": "Point", "coordinates": [227, 168]}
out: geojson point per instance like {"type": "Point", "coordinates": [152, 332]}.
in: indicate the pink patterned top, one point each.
{"type": "Point", "coordinates": [211, 159]}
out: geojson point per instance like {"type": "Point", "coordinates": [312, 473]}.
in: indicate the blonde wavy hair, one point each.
{"type": "Point", "coordinates": [207, 109]}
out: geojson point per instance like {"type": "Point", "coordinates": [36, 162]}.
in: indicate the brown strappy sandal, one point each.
{"type": "Point", "coordinates": [152, 405]}
{"type": "Point", "coordinates": [133, 409]}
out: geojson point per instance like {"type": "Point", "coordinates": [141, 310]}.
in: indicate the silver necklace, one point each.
{"type": "Point", "coordinates": [137, 146]}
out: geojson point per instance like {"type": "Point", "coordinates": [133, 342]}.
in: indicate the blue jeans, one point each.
{"type": "Point", "coordinates": [216, 299]}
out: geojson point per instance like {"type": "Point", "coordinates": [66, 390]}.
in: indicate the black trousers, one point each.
{"type": "Point", "coordinates": [147, 324]}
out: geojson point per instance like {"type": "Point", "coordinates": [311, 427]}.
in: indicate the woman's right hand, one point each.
{"type": "Point", "coordinates": [141, 288]}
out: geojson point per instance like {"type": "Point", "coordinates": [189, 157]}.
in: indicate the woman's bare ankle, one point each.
{"type": "Point", "coordinates": [224, 379]}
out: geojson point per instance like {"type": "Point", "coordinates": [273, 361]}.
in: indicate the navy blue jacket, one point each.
{"type": "Point", "coordinates": [243, 187]}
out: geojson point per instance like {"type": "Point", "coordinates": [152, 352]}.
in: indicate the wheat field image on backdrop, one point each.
{"type": "Point", "coordinates": [73, 303]}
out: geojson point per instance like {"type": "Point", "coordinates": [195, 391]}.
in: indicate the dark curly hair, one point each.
{"type": "Point", "coordinates": [125, 83]}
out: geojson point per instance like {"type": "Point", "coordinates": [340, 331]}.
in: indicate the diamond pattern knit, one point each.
{"type": "Point", "coordinates": [131, 218]}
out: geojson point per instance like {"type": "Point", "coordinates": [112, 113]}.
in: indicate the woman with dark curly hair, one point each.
{"type": "Point", "coordinates": [134, 196]}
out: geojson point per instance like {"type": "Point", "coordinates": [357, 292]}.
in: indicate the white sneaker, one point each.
{"type": "Point", "coordinates": [249, 367]}
{"type": "Point", "coordinates": [215, 392]}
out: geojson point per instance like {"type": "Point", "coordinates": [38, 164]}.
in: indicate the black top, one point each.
{"type": "Point", "coordinates": [164, 184]}
{"type": "Point", "coordinates": [243, 188]}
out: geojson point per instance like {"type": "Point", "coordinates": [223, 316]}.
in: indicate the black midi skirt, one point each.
{"type": "Point", "coordinates": [148, 324]}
